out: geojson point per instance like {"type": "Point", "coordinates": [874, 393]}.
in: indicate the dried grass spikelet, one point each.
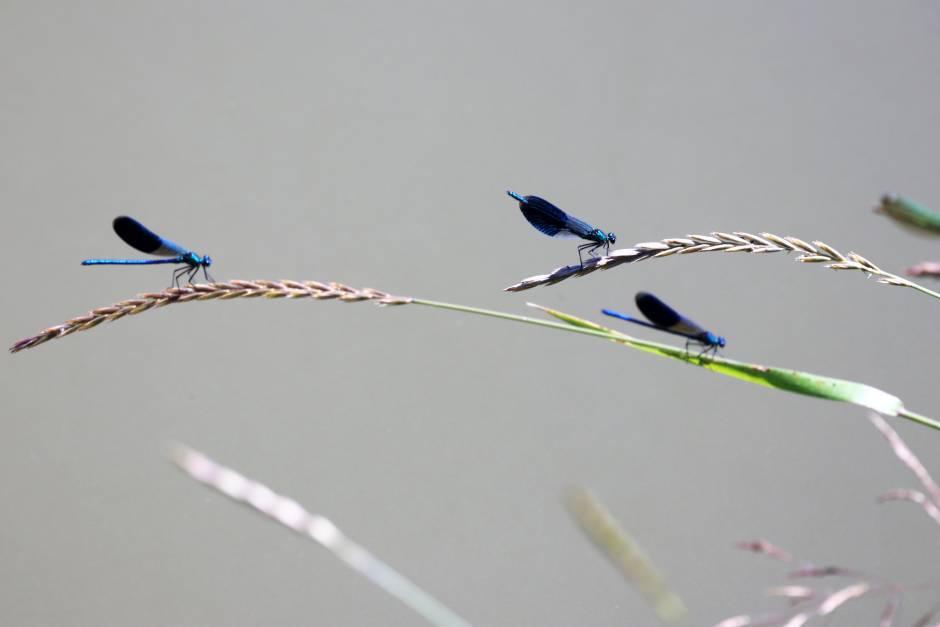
{"type": "Point", "coordinates": [737, 242]}
{"type": "Point", "coordinates": [209, 291]}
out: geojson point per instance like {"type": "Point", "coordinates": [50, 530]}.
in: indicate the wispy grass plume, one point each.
{"type": "Point", "coordinates": [818, 598]}
{"type": "Point", "coordinates": [814, 599]}
{"type": "Point", "coordinates": [737, 242]}
{"type": "Point", "coordinates": [292, 515]}
{"type": "Point", "coordinates": [795, 381]}
{"type": "Point", "coordinates": [626, 554]}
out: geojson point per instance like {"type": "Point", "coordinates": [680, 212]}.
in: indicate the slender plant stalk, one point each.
{"type": "Point", "coordinates": [737, 242]}
{"type": "Point", "coordinates": [922, 420]}
{"type": "Point", "coordinates": [929, 499]}
{"type": "Point", "coordinates": [795, 381]}
{"type": "Point", "coordinates": [292, 515]}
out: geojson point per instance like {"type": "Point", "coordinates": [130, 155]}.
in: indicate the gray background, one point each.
{"type": "Point", "coordinates": [371, 143]}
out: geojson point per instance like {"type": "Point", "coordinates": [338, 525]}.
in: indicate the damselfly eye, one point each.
{"type": "Point", "coordinates": [611, 238]}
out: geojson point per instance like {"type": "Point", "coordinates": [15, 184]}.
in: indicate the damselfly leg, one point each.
{"type": "Point", "coordinates": [590, 247]}
{"type": "Point", "coordinates": [179, 272]}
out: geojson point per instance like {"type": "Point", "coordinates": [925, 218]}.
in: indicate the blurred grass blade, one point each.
{"type": "Point", "coordinates": [626, 554]}
{"type": "Point", "coordinates": [910, 214]}
{"type": "Point", "coordinates": [804, 383]}
{"type": "Point", "coordinates": [292, 515]}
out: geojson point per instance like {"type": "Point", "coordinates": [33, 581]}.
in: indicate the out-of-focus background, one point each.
{"type": "Point", "coordinates": [372, 143]}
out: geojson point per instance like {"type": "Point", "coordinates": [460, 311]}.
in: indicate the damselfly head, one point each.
{"type": "Point", "coordinates": [611, 238]}
{"type": "Point", "coordinates": [716, 340]}
{"type": "Point", "coordinates": [207, 261]}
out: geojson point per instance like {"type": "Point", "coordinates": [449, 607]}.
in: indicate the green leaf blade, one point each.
{"type": "Point", "coordinates": [798, 382]}
{"type": "Point", "coordinates": [809, 384]}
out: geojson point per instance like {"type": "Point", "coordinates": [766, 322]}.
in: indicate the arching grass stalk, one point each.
{"type": "Point", "coordinates": [737, 242]}
{"type": "Point", "coordinates": [804, 383]}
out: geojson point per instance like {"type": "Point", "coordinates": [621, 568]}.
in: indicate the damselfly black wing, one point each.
{"type": "Point", "coordinates": [545, 217]}
{"type": "Point", "coordinates": [136, 235]}
{"type": "Point", "coordinates": [661, 314]}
